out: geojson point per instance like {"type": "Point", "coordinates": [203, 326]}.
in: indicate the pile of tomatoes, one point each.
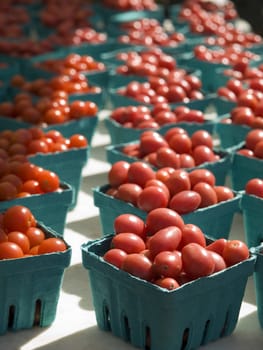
{"type": "Point", "coordinates": [21, 236]}
{"type": "Point", "coordinates": [182, 191]}
{"type": "Point", "coordinates": [167, 252]}
{"type": "Point", "coordinates": [176, 148]}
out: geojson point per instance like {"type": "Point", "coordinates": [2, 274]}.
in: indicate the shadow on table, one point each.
{"type": "Point", "coordinates": [76, 282]}
{"type": "Point", "coordinates": [88, 227]}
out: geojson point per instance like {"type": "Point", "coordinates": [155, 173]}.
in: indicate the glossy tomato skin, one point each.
{"type": "Point", "coordinates": [139, 173]}
{"type": "Point", "coordinates": [207, 194]}
{"type": "Point", "coordinates": [167, 264]}
{"type": "Point", "coordinates": [10, 250]}
{"type": "Point", "coordinates": [185, 202]}
{"type": "Point", "coordinates": [18, 218]}
{"type": "Point", "coordinates": [178, 181]}
{"type": "Point", "coordinates": [130, 223]}
{"type": "Point", "coordinates": [115, 257]}
{"type": "Point", "coordinates": [51, 245]}
{"type": "Point", "coordinates": [129, 242]}
{"type": "Point", "coordinates": [152, 197]}
{"type": "Point", "coordinates": [235, 251]}
{"type": "Point", "coordinates": [223, 193]}
{"type": "Point", "coordinates": [197, 261]}
{"type": "Point", "coordinates": [129, 192]}
{"type": "Point", "coordinates": [192, 233]}
{"type": "Point", "coordinates": [160, 218]}
{"type": "Point", "coordinates": [254, 187]}
{"type": "Point", "coordinates": [217, 246]}
{"type": "Point", "coordinates": [138, 265]}
{"type": "Point", "coordinates": [166, 239]}
{"type": "Point", "coordinates": [253, 137]}
{"type": "Point", "coordinates": [167, 283]}
{"type": "Point", "coordinates": [118, 174]}
{"type": "Point", "coordinates": [202, 175]}
{"type": "Point", "coordinates": [20, 239]}
{"type": "Point", "coordinates": [220, 263]}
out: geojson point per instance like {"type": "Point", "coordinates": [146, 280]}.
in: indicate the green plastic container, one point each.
{"type": "Point", "coordinates": [252, 209]}
{"type": "Point", "coordinates": [30, 288]}
{"type": "Point", "coordinates": [258, 280]}
{"type": "Point", "coordinates": [51, 208]}
{"type": "Point", "coordinates": [230, 135]}
{"type": "Point", "coordinates": [146, 315]}
{"type": "Point", "coordinates": [215, 220]}
{"type": "Point", "coordinates": [67, 165]}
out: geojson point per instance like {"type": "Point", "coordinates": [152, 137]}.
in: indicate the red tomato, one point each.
{"type": "Point", "coordinates": [181, 143]}
{"type": "Point", "coordinates": [35, 235]}
{"type": "Point", "coordinates": [160, 218]}
{"type": "Point", "coordinates": [254, 187]}
{"type": "Point", "coordinates": [48, 181]}
{"type": "Point", "coordinates": [252, 138]}
{"type": "Point", "coordinates": [20, 239]}
{"type": "Point", "coordinates": [129, 242]}
{"type": "Point", "coordinates": [197, 261]}
{"type": "Point", "coordinates": [152, 197]}
{"type": "Point", "coordinates": [202, 154]}
{"type": "Point", "coordinates": [138, 265]}
{"type": "Point", "coordinates": [167, 283]}
{"type": "Point", "coordinates": [178, 181]}
{"type": "Point", "coordinates": [258, 151]}
{"type": "Point", "coordinates": [139, 173]}
{"type": "Point", "coordinates": [10, 250]}
{"type": "Point", "coordinates": [164, 173]}
{"type": "Point", "coordinates": [217, 246]}
{"type": "Point", "coordinates": [191, 233]}
{"type": "Point", "coordinates": [167, 239]}
{"type": "Point", "coordinates": [129, 223]}
{"type": "Point", "coordinates": [51, 245]}
{"type": "Point", "coordinates": [129, 192]}
{"type": "Point", "coordinates": [118, 174]}
{"type": "Point", "coordinates": [235, 251]}
{"type": "Point", "coordinates": [166, 157]}
{"type": "Point", "coordinates": [202, 137]}
{"type": "Point", "coordinates": [18, 218]}
{"type": "Point", "coordinates": [202, 175]}
{"type": "Point", "coordinates": [167, 264]}
{"type": "Point", "coordinates": [158, 183]}
{"type": "Point", "coordinates": [207, 193]}
{"type": "Point", "coordinates": [223, 193]}
{"type": "Point", "coordinates": [115, 257]}
{"type": "Point", "coordinates": [220, 263]}
{"type": "Point", "coordinates": [151, 142]}
{"type": "Point", "coordinates": [185, 202]}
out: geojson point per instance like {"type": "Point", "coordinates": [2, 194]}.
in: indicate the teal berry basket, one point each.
{"type": "Point", "coordinates": [50, 208]}
{"type": "Point", "coordinates": [215, 220]}
{"type": "Point", "coordinates": [213, 107]}
{"type": "Point", "coordinates": [85, 126]}
{"type": "Point", "coordinates": [147, 316]}
{"type": "Point", "coordinates": [68, 165]}
{"type": "Point", "coordinates": [252, 209]}
{"type": "Point", "coordinates": [231, 135]}
{"type": "Point", "coordinates": [258, 280]}
{"type": "Point", "coordinates": [220, 168]}
{"type": "Point", "coordinates": [30, 288]}
{"type": "Point", "coordinates": [244, 169]}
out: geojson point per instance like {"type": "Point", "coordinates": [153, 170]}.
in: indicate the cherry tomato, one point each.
{"type": "Point", "coordinates": [51, 245]}
{"type": "Point", "coordinates": [118, 174]}
{"type": "Point", "coordinates": [20, 239]}
{"type": "Point", "coordinates": [220, 263]}
{"type": "Point", "coordinates": [235, 251]}
{"type": "Point", "coordinates": [152, 197]}
{"type": "Point", "coordinates": [192, 233]}
{"type": "Point", "coordinates": [129, 223]}
{"type": "Point", "coordinates": [202, 137]}
{"type": "Point", "coordinates": [138, 265]}
{"type": "Point", "coordinates": [18, 218]}
{"type": "Point", "coordinates": [252, 138]}
{"type": "Point", "coordinates": [139, 173]}
{"type": "Point", "coordinates": [254, 187]}
{"type": "Point", "coordinates": [201, 175]}
{"type": "Point", "coordinates": [181, 143]}
{"type": "Point", "coordinates": [185, 202]}
{"type": "Point", "coordinates": [178, 181]}
{"type": "Point", "coordinates": [166, 239]}
{"type": "Point", "coordinates": [167, 283]}
{"type": "Point", "coordinates": [48, 181]}
{"type": "Point", "coordinates": [129, 242]}
{"type": "Point", "coordinates": [160, 218]}
{"type": "Point", "coordinates": [10, 250]}
{"type": "Point", "coordinates": [197, 261]}
{"type": "Point", "coordinates": [202, 154]}
{"type": "Point", "coordinates": [166, 157]}
{"type": "Point", "coordinates": [207, 193]}
{"type": "Point", "coordinates": [35, 235]}
{"type": "Point", "coordinates": [129, 192]}
{"type": "Point", "coordinates": [115, 257]}
{"type": "Point", "coordinates": [217, 246]}
{"type": "Point", "coordinates": [223, 193]}
{"type": "Point", "coordinates": [167, 264]}
{"type": "Point", "coordinates": [258, 151]}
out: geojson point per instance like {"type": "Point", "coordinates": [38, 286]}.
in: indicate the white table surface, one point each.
{"type": "Point", "coordinates": [75, 325]}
